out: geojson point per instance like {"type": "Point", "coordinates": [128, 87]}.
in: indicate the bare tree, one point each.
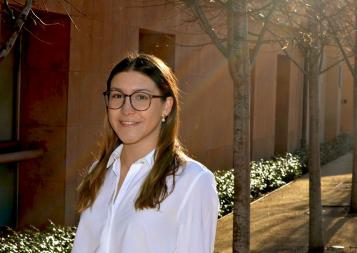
{"type": "Point", "coordinates": [17, 16]}
{"type": "Point", "coordinates": [306, 32]}
{"type": "Point", "coordinates": [239, 66]}
{"type": "Point", "coordinates": [343, 27]}
{"type": "Point", "coordinates": [19, 21]}
{"type": "Point", "coordinates": [353, 205]}
{"type": "Point", "coordinates": [234, 45]}
{"type": "Point", "coordinates": [316, 243]}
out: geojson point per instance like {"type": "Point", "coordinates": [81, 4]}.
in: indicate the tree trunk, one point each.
{"type": "Point", "coordinates": [315, 215]}
{"type": "Point", "coordinates": [303, 142]}
{"type": "Point", "coordinates": [353, 204]}
{"type": "Point", "coordinates": [239, 66]}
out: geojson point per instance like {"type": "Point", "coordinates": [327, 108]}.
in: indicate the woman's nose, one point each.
{"type": "Point", "coordinates": [127, 107]}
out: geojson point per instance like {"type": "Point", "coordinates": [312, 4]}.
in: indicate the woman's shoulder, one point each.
{"type": "Point", "coordinates": [193, 168]}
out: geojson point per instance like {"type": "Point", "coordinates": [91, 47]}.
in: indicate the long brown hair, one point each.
{"type": "Point", "coordinates": [168, 154]}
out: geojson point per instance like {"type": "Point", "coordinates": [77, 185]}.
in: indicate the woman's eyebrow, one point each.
{"type": "Point", "coordinates": [136, 90]}
{"type": "Point", "coordinates": [116, 89]}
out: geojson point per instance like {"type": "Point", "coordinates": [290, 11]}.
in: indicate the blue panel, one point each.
{"type": "Point", "coordinates": [8, 190]}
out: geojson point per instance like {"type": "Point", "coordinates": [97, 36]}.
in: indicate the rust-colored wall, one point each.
{"type": "Point", "coordinates": [347, 102]}
{"type": "Point", "coordinates": [295, 105]}
{"type": "Point", "coordinates": [333, 87]}
{"type": "Point", "coordinates": [103, 32]}
{"type": "Point", "coordinates": [282, 105]}
{"type": "Point", "coordinates": [43, 120]}
{"type": "Point", "coordinates": [264, 103]}
{"type": "Point", "coordinates": [105, 35]}
{"type": "Point", "coordinates": [207, 115]}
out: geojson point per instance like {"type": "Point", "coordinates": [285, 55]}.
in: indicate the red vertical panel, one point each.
{"type": "Point", "coordinates": [43, 119]}
{"type": "Point", "coordinates": [282, 105]}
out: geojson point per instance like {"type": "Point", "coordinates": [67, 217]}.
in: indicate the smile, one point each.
{"type": "Point", "coordinates": [128, 123]}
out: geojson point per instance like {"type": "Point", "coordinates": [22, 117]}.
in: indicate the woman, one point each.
{"type": "Point", "coordinates": [143, 194]}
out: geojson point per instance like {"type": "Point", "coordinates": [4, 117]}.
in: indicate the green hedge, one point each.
{"type": "Point", "coordinates": [267, 175]}
{"type": "Point", "coordinates": [54, 239]}
{"type": "Point", "coordinates": [329, 150]}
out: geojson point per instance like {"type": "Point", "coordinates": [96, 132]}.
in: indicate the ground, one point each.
{"type": "Point", "coordinates": [279, 220]}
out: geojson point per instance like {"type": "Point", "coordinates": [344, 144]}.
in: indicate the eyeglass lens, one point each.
{"type": "Point", "coordinates": [139, 100]}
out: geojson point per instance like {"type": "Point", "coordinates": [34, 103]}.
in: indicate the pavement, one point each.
{"type": "Point", "coordinates": [279, 220]}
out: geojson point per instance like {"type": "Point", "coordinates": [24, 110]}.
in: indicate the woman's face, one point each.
{"type": "Point", "coordinates": [138, 127]}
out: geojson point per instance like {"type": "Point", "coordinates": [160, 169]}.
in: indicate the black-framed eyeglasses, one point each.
{"type": "Point", "coordinates": [139, 100]}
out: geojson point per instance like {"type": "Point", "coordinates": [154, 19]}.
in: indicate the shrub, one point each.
{"type": "Point", "coordinates": [267, 175]}
{"type": "Point", "coordinates": [54, 239]}
{"type": "Point", "coordinates": [329, 150]}
{"type": "Point", "coordinates": [225, 189]}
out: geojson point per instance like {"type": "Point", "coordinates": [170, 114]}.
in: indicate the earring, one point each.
{"type": "Point", "coordinates": [163, 118]}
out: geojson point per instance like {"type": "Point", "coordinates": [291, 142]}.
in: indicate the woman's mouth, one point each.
{"type": "Point", "coordinates": [128, 123]}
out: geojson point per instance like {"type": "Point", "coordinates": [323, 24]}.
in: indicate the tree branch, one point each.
{"type": "Point", "coordinates": [9, 10]}
{"type": "Point", "coordinates": [41, 21]}
{"type": "Point", "coordinates": [322, 55]}
{"type": "Point", "coordinates": [192, 4]}
{"type": "Point", "coordinates": [19, 22]}
{"type": "Point", "coordinates": [301, 68]}
{"type": "Point", "coordinates": [333, 65]}
{"type": "Point", "coordinates": [338, 42]}
{"type": "Point", "coordinates": [259, 42]}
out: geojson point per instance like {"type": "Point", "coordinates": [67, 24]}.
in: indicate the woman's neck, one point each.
{"type": "Point", "coordinates": [131, 153]}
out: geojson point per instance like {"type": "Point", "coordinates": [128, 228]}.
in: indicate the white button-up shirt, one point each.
{"type": "Point", "coordinates": [185, 223]}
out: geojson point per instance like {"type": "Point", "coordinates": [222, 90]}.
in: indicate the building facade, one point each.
{"type": "Point", "coordinates": [52, 106]}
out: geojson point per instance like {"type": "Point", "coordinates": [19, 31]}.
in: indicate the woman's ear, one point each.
{"type": "Point", "coordinates": [168, 105]}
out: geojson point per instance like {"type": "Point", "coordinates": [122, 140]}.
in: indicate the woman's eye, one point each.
{"type": "Point", "coordinates": [141, 97]}
{"type": "Point", "coordinates": [116, 95]}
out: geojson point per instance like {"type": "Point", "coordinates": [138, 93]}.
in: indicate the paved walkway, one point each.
{"type": "Point", "coordinates": [279, 221]}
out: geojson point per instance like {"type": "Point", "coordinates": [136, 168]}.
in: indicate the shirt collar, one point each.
{"type": "Point", "coordinates": [115, 155]}
{"type": "Point", "coordinates": [147, 159]}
